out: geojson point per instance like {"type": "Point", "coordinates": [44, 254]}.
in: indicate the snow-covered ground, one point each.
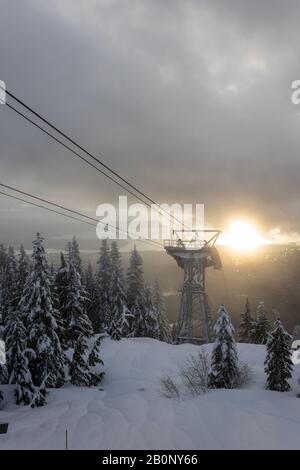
{"type": "Point", "coordinates": [131, 413]}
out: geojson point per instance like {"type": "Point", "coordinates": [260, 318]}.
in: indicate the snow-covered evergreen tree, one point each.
{"type": "Point", "coordinates": [120, 316]}
{"type": "Point", "coordinates": [94, 360]}
{"type": "Point", "coordinates": [164, 330]}
{"type": "Point", "coordinates": [246, 325]}
{"type": "Point", "coordinates": [37, 309]}
{"type": "Point", "coordinates": [103, 280]}
{"type": "Point", "coordinates": [78, 323]}
{"type": "Point", "coordinates": [135, 295]}
{"type": "Point", "coordinates": [3, 255]}
{"type": "Point", "coordinates": [17, 357]}
{"type": "Point", "coordinates": [224, 362]}
{"type": "Point", "coordinates": [75, 254]}
{"type": "Point", "coordinates": [135, 278]}
{"type": "Point", "coordinates": [80, 367]}
{"type": "Point", "coordinates": [261, 326]}
{"type": "Point", "coordinates": [278, 363]}
{"type": "Point", "coordinates": [40, 393]}
{"type": "Point", "coordinates": [23, 270]}
{"type": "Point", "coordinates": [92, 307]}
{"type": "Point", "coordinates": [9, 292]}
{"type": "Point", "coordinates": [61, 283]}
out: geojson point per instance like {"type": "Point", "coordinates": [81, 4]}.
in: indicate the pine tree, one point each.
{"type": "Point", "coordinates": [40, 394]}
{"type": "Point", "coordinates": [75, 254]}
{"type": "Point", "coordinates": [138, 311]}
{"type": "Point", "coordinates": [92, 307]}
{"type": "Point", "coordinates": [224, 362]}
{"type": "Point", "coordinates": [61, 283]}
{"type": "Point", "coordinates": [37, 308]}
{"type": "Point", "coordinates": [135, 278]}
{"type": "Point", "coordinates": [103, 280]}
{"type": "Point", "coordinates": [278, 363]}
{"type": "Point", "coordinates": [3, 255]}
{"type": "Point", "coordinates": [80, 367]}
{"type": "Point", "coordinates": [135, 296]}
{"type": "Point", "coordinates": [246, 325]}
{"type": "Point", "coordinates": [120, 316]}
{"type": "Point", "coordinates": [23, 270]}
{"type": "Point", "coordinates": [78, 323]}
{"type": "Point", "coordinates": [9, 293]}
{"type": "Point", "coordinates": [164, 330]}
{"type": "Point", "coordinates": [17, 357]}
{"type": "Point", "coordinates": [261, 326]}
{"type": "Point", "coordinates": [94, 360]}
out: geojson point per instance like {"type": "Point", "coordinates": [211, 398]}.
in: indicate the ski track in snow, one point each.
{"type": "Point", "coordinates": [131, 413]}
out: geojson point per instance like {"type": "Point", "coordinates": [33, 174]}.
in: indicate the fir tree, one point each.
{"type": "Point", "coordinates": [92, 307]}
{"type": "Point", "coordinates": [164, 330]}
{"type": "Point", "coordinates": [278, 363]}
{"type": "Point", "coordinates": [76, 300]}
{"type": "Point", "coordinates": [61, 284]}
{"type": "Point", "coordinates": [120, 315]}
{"type": "Point", "coordinates": [37, 308]}
{"type": "Point", "coordinates": [75, 254]}
{"type": "Point", "coordinates": [135, 298]}
{"type": "Point", "coordinates": [80, 367]}
{"type": "Point", "coordinates": [94, 360]}
{"type": "Point", "coordinates": [135, 278]}
{"type": "Point", "coordinates": [17, 357]}
{"type": "Point", "coordinates": [23, 270]}
{"type": "Point", "coordinates": [246, 325]}
{"type": "Point", "coordinates": [224, 364]}
{"type": "Point", "coordinates": [103, 285]}
{"type": "Point", "coordinates": [3, 255]}
{"type": "Point", "coordinates": [9, 293]}
{"type": "Point", "coordinates": [40, 394]}
{"type": "Point", "coordinates": [137, 323]}
{"type": "Point", "coordinates": [261, 326]}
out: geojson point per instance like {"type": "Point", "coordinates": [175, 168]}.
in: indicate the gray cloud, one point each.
{"type": "Point", "coordinates": [190, 100]}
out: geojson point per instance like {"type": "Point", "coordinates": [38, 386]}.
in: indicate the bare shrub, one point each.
{"type": "Point", "coordinates": [194, 374]}
{"type": "Point", "coordinates": [169, 388]}
{"type": "Point", "coordinates": [192, 378]}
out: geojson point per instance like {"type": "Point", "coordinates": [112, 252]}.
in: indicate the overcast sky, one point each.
{"type": "Point", "coordinates": [190, 100]}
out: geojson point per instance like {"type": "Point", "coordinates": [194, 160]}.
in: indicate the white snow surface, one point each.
{"type": "Point", "coordinates": [131, 413]}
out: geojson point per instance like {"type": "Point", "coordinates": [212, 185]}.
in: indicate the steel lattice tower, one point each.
{"type": "Point", "coordinates": [194, 257]}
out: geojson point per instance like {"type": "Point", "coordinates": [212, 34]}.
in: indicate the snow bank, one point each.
{"type": "Point", "coordinates": [131, 413]}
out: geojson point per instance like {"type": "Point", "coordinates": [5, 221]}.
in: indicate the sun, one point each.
{"type": "Point", "coordinates": [242, 236]}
